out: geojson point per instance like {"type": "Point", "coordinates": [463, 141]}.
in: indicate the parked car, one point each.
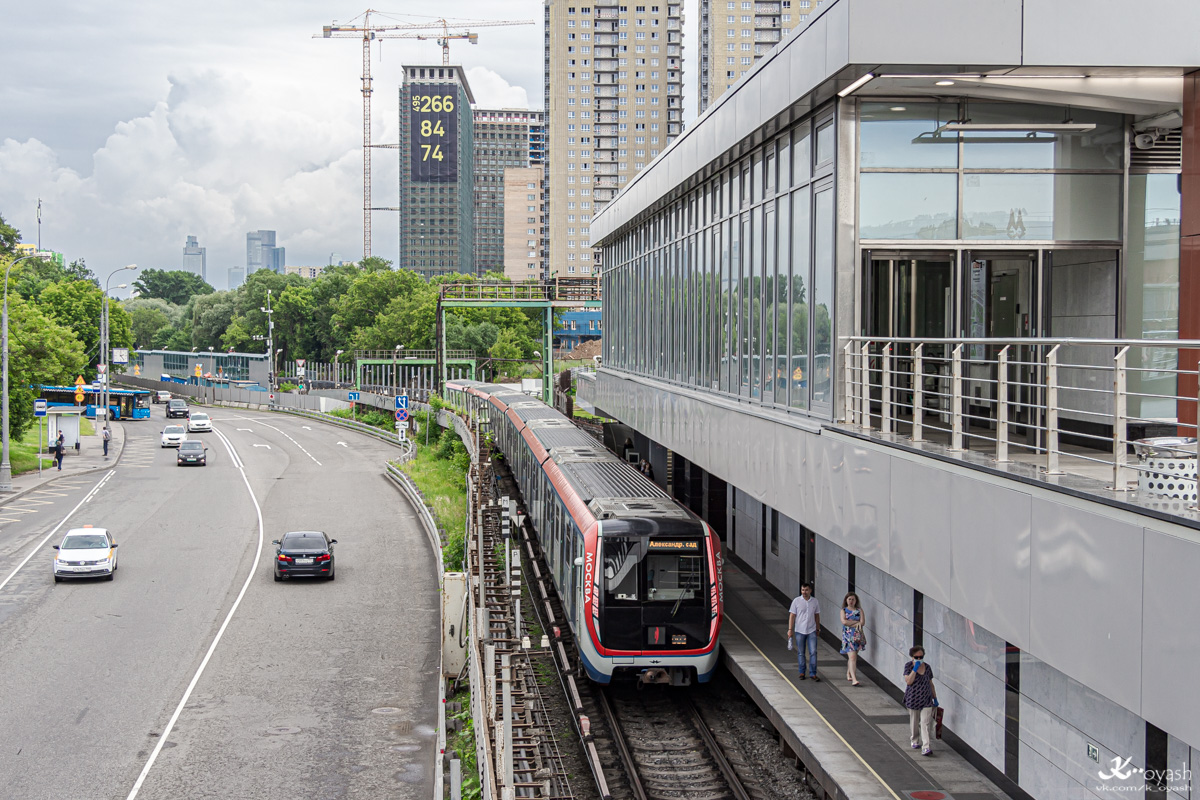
{"type": "Point", "coordinates": [85, 552]}
{"type": "Point", "coordinates": [199, 421]}
{"type": "Point", "coordinates": [304, 553]}
{"type": "Point", "coordinates": [173, 436]}
{"type": "Point", "coordinates": [191, 451]}
{"type": "Point", "coordinates": [161, 396]}
{"type": "Point", "coordinates": [176, 408]}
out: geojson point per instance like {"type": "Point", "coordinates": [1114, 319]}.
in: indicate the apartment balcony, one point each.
{"type": "Point", "coordinates": [768, 36]}
{"type": "Point", "coordinates": [762, 49]}
{"type": "Point", "coordinates": [606, 130]}
{"type": "Point", "coordinates": [603, 39]}
{"type": "Point", "coordinates": [767, 8]}
{"type": "Point", "coordinates": [674, 50]}
{"type": "Point", "coordinates": [603, 90]}
{"type": "Point", "coordinates": [605, 169]}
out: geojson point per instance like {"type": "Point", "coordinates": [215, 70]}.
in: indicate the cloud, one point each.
{"type": "Point", "coordinates": [491, 90]}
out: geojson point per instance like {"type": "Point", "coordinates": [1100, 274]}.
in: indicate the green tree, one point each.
{"type": "Point", "coordinates": [146, 323]}
{"type": "Point", "coordinates": [175, 286]}
{"type": "Point", "coordinates": [211, 316]}
{"type": "Point", "coordinates": [9, 238]}
{"type": "Point", "coordinates": [76, 305]}
{"type": "Point", "coordinates": [40, 352]}
{"type": "Point", "coordinates": [509, 344]}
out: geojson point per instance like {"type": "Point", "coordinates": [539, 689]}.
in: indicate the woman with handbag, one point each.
{"type": "Point", "coordinates": [853, 637]}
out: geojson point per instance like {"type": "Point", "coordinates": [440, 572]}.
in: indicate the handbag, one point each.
{"type": "Point", "coordinates": [938, 713]}
{"type": "Point", "coordinates": [862, 639]}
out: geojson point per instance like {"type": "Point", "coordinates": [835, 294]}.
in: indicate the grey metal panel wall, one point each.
{"type": "Point", "coordinates": [1060, 577]}
{"type": "Point", "coordinates": [1075, 32]}
{"type": "Point", "coordinates": [939, 32]}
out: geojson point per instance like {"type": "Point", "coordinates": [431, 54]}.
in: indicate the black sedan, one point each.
{"type": "Point", "coordinates": [304, 553]}
{"type": "Point", "coordinates": [192, 452]}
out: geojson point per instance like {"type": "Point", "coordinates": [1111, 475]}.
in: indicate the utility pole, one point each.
{"type": "Point", "coordinates": [270, 343]}
{"type": "Point", "coordinates": [104, 338]}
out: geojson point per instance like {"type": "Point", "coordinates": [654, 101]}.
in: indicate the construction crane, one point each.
{"type": "Point", "coordinates": [361, 26]}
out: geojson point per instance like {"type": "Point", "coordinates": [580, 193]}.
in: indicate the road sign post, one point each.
{"type": "Point", "coordinates": [39, 411]}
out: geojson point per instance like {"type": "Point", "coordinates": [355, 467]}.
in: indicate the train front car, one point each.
{"type": "Point", "coordinates": [656, 611]}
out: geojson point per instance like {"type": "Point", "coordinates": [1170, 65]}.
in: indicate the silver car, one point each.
{"type": "Point", "coordinates": [198, 421]}
{"type": "Point", "coordinates": [85, 552]}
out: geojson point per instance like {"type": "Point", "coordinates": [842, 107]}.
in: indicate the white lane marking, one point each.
{"type": "Point", "coordinates": [247, 430]}
{"type": "Point", "coordinates": [70, 513]}
{"type": "Point", "coordinates": [162, 740]}
{"type": "Point", "coordinates": [263, 445]}
{"type": "Point", "coordinates": [343, 444]}
{"type": "Point", "coordinates": [306, 427]}
{"type": "Point", "coordinates": [290, 439]}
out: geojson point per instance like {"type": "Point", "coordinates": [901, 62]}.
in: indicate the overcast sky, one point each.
{"type": "Point", "coordinates": [139, 123]}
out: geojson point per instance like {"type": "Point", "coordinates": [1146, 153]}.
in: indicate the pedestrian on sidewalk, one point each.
{"type": "Point", "coordinates": [854, 638]}
{"type": "Point", "coordinates": [107, 437]}
{"type": "Point", "coordinates": [920, 698]}
{"type": "Point", "coordinates": [804, 621]}
{"type": "Point", "coordinates": [60, 447]}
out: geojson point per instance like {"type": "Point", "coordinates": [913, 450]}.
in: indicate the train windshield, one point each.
{"type": "Point", "coordinates": [654, 571]}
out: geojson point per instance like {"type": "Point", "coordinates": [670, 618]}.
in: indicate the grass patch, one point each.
{"type": "Point", "coordinates": [463, 745]}
{"type": "Point", "coordinates": [23, 453]}
{"type": "Point", "coordinates": [439, 470]}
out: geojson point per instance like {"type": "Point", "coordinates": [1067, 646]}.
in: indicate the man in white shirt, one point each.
{"type": "Point", "coordinates": [804, 621]}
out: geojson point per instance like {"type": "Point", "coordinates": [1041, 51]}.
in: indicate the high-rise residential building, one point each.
{"type": "Point", "coordinates": [237, 276]}
{"type": "Point", "coordinates": [194, 259]}
{"type": "Point", "coordinates": [261, 252]}
{"type": "Point", "coordinates": [437, 178]}
{"type": "Point", "coordinates": [524, 223]}
{"type": "Point", "coordinates": [504, 139]}
{"type": "Point", "coordinates": [735, 34]}
{"type": "Point", "coordinates": [614, 100]}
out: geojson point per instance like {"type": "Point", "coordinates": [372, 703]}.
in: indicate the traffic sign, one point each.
{"type": "Point", "coordinates": [299, 362]}
{"type": "Point", "coordinates": [80, 381]}
{"type": "Point", "coordinates": [299, 372]}
{"type": "Point", "coordinates": [101, 367]}
{"type": "Point", "coordinates": [78, 395]}
{"type": "Point", "coordinates": [354, 395]}
{"type": "Point", "coordinates": [95, 386]}
{"type": "Point", "coordinates": [120, 355]}
{"type": "Point", "coordinates": [402, 401]}
{"type": "Point", "coordinates": [402, 415]}
{"type": "Point", "coordinates": [39, 407]}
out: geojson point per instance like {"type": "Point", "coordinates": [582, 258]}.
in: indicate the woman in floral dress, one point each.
{"type": "Point", "coordinates": [853, 638]}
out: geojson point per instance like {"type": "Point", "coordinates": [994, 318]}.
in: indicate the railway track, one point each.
{"type": "Point", "coordinates": [667, 748]}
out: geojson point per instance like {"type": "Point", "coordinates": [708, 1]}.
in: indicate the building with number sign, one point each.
{"type": "Point", "coordinates": [437, 171]}
{"type": "Point", "coordinates": [504, 139]}
{"type": "Point", "coordinates": [614, 101]}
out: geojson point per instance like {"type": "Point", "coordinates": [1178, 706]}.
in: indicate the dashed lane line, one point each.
{"type": "Point", "coordinates": [284, 433]}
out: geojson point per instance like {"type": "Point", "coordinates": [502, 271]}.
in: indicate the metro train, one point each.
{"type": "Point", "coordinates": [639, 575]}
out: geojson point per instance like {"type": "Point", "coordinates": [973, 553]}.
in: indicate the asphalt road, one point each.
{"type": "Point", "coordinates": [301, 689]}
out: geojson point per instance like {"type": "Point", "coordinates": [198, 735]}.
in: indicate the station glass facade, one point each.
{"type": "Point", "coordinates": [730, 289]}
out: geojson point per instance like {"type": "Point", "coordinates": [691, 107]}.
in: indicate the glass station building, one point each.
{"type": "Point", "coordinates": [944, 171]}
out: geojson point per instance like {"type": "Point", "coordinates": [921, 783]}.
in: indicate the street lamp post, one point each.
{"type": "Point", "coordinates": [395, 375]}
{"type": "Point", "coordinates": [270, 342]}
{"type": "Point", "coordinates": [337, 377]}
{"type": "Point", "coordinates": [104, 335]}
{"type": "Point", "coordinates": [5, 466]}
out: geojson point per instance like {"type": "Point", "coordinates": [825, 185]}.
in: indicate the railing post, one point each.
{"type": "Point", "coordinates": [885, 392]}
{"type": "Point", "coordinates": [848, 364]}
{"type": "Point", "coordinates": [1002, 406]}
{"type": "Point", "coordinates": [1052, 412]}
{"type": "Point", "coordinates": [918, 411]}
{"type": "Point", "coordinates": [956, 420]}
{"type": "Point", "coordinates": [864, 379]}
{"type": "Point", "coordinates": [1120, 418]}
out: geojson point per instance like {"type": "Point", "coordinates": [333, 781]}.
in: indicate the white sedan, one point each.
{"type": "Point", "coordinates": [85, 552]}
{"type": "Point", "coordinates": [198, 421]}
{"type": "Point", "coordinates": [172, 435]}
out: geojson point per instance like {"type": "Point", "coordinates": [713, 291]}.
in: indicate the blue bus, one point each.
{"type": "Point", "coordinates": [122, 403]}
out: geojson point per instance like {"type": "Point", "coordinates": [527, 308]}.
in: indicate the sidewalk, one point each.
{"type": "Point", "coordinates": [853, 738]}
{"type": "Point", "coordinates": [89, 458]}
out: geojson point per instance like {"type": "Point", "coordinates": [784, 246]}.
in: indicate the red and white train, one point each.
{"type": "Point", "coordinates": [639, 575]}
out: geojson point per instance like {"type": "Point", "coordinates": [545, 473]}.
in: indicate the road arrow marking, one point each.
{"type": "Point", "coordinates": [306, 427]}
{"type": "Point", "coordinates": [343, 444]}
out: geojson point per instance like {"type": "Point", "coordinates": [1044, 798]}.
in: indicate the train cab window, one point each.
{"type": "Point", "coordinates": [622, 578]}
{"type": "Point", "coordinates": [671, 577]}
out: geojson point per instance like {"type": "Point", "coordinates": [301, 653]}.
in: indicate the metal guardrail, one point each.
{"type": "Point", "coordinates": [1089, 402]}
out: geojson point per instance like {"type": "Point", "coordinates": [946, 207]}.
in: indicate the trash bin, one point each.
{"type": "Point", "coordinates": [1167, 467]}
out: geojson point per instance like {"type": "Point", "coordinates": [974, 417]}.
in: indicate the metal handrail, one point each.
{"type": "Point", "coordinates": [986, 389]}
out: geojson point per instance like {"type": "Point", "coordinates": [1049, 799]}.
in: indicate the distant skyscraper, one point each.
{"type": "Point", "coordinates": [614, 101]}
{"type": "Point", "coordinates": [237, 276]}
{"type": "Point", "coordinates": [504, 140]}
{"type": "Point", "coordinates": [731, 40]}
{"type": "Point", "coordinates": [437, 179]}
{"type": "Point", "coordinates": [194, 259]}
{"type": "Point", "coordinates": [261, 252]}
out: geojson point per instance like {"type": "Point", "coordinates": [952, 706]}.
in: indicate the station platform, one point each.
{"type": "Point", "coordinates": [852, 739]}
